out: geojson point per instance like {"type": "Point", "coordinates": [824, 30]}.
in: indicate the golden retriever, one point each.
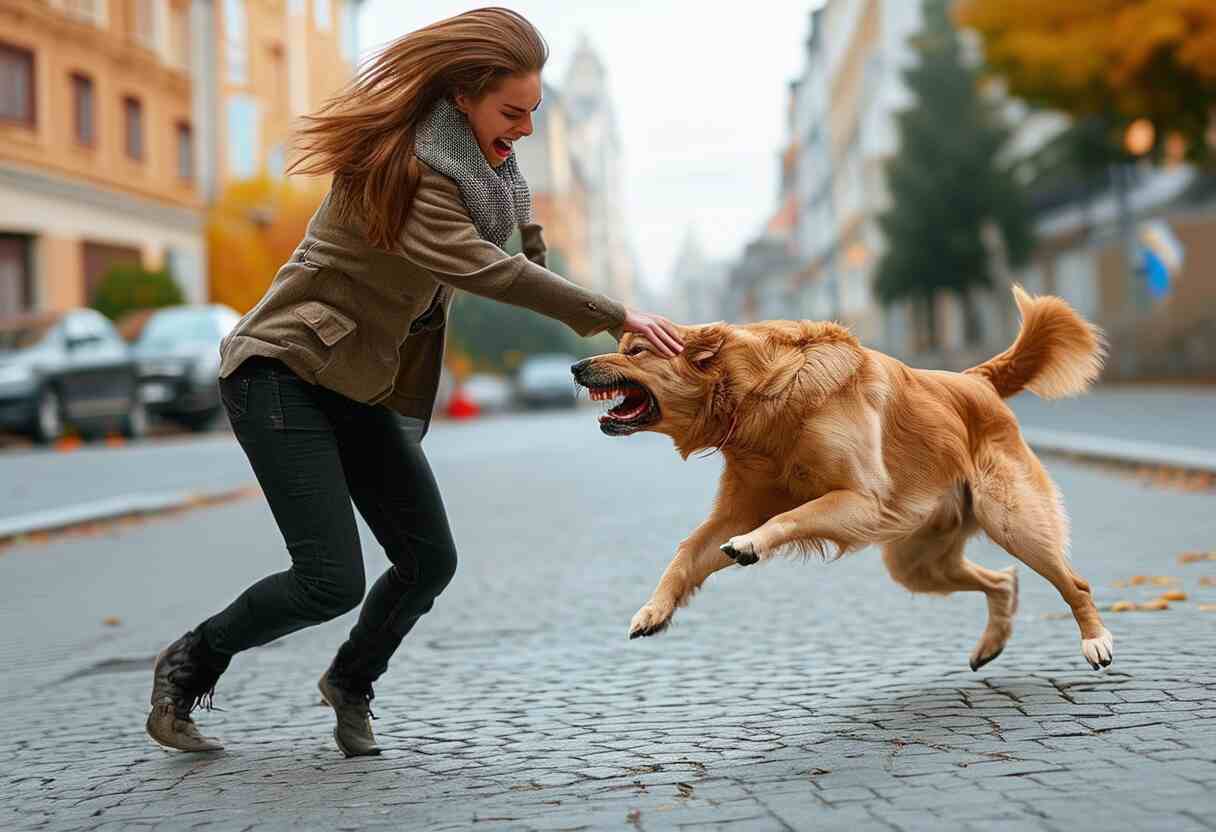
{"type": "Point", "coordinates": [829, 444]}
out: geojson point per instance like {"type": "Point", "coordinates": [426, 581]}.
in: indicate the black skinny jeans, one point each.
{"type": "Point", "coordinates": [313, 451]}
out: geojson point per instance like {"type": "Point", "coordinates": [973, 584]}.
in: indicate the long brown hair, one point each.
{"type": "Point", "coordinates": [364, 136]}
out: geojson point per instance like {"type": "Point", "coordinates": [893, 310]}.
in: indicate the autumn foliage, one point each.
{"type": "Point", "coordinates": [251, 231]}
{"type": "Point", "coordinates": [1119, 59]}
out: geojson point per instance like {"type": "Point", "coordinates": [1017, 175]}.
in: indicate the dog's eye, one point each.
{"type": "Point", "coordinates": [637, 350]}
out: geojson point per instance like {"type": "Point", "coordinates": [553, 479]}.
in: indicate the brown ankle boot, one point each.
{"type": "Point", "coordinates": [352, 707]}
{"type": "Point", "coordinates": [183, 679]}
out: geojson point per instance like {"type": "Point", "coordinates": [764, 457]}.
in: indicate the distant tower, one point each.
{"type": "Point", "coordinates": [596, 143]}
{"type": "Point", "coordinates": [697, 284]}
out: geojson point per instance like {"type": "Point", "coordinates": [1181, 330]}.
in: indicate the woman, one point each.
{"type": "Point", "coordinates": [425, 191]}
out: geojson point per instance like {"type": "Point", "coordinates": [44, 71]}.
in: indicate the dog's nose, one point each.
{"type": "Point", "coordinates": [579, 366]}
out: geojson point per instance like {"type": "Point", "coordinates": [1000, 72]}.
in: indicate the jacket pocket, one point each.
{"type": "Point", "coordinates": [327, 323]}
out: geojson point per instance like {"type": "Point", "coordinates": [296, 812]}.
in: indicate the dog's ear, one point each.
{"type": "Point", "coordinates": [704, 345]}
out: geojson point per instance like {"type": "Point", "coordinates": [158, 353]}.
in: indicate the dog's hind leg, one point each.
{"type": "Point", "coordinates": [1016, 503]}
{"type": "Point", "coordinates": [932, 561]}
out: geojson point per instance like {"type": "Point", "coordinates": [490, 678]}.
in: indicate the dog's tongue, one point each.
{"type": "Point", "coordinates": [625, 411]}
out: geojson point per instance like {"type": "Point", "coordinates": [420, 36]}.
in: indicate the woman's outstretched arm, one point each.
{"type": "Point", "coordinates": [441, 238]}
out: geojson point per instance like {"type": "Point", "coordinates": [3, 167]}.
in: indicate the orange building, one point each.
{"type": "Point", "coordinates": [121, 119]}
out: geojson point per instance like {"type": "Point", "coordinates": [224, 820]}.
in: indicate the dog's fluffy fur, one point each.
{"type": "Point", "coordinates": [830, 446]}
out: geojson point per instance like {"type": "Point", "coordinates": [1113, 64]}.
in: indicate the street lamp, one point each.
{"type": "Point", "coordinates": [1139, 137]}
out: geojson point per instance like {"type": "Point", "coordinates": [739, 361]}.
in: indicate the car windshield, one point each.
{"type": "Point", "coordinates": [177, 325]}
{"type": "Point", "coordinates": [546, 370]}
{"type": "Point", "coordinates": [22, 336]}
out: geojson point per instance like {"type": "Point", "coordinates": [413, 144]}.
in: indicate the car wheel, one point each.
{"type": "Point", "coordinates": [48, 417]}
{"type": "Point", "coordinates": [135, 422]}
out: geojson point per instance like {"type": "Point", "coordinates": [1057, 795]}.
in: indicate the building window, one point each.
{"type": "Point", "coordinates": [243, 137]}
{"type": "Point", "coordinates": [90, 11]}
{"type": "Point", "coordinates": [133, 121]}
{"type": "Point", "coordinates": [16, 277]}
{"type": "Point", "coordinates": [276, 161]}
{"type": "Point", "coordinates": [142, 23]}
{"type": "Point", "coordinates": [82, 109]}
{"type": "Point", "coordinates": [179, 38]}
{"type": "Point", "coordinates": [16, 85]}
{"type": "Point", "coordinates": [350, 32]}
{"type": "Point", "coordinates": [236, 38]}
{"type": "Point", "coordinates": [185, 151]}
{"type": "Point", "coordinates": [322, 15]}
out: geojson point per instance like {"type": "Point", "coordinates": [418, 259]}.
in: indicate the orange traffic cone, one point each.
{"type": "Point", "coordinates": [461, 406]}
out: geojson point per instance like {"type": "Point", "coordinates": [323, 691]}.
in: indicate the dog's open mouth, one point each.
{"type": "Point", "coordinates": [636, 409]}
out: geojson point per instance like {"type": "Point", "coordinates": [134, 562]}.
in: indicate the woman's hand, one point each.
{"type": "Point", "coordinates": [656, 329]}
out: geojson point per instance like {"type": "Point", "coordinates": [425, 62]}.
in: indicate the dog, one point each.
{"type": "Point", "coordinates": [829, 447]}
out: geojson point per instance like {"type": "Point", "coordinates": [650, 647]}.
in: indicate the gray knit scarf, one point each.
{"type": "Point", "coordinates": [498, 198]}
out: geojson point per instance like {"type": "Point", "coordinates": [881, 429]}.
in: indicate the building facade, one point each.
{"type": "Point", "coordinates": [559, 189]}
{"type": "Point", "coordinates": [596, 144]}
{"type": "Point", "coordinates": [853, 89]}
{"type": "Point", "coordinates": [97, 148]}
{"type": "Point", "coordinates": [120, 120]}
{"type": "Point", "coordinates": [268, 63]}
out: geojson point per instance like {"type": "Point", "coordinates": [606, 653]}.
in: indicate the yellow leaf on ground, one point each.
{"type": "Point", "coordinates": [1122, 606]}
{"type": "Point", "coordinates": [1196, 557]}
{"type": "Point", "coordinates": [111, 621]}
{"type": "Point", "coordinates": [1173, 595]}
{"type": "Point", "coordinates": [1119, 584]}
{"type": "Point", "coordinates": [1163, 580]}
{"type": "Point", "coordinates": [1138, 580]}
{"type": "Point", "coordinates": [1155, 604]}
{"type": "Point", "coordinates": [1207, 607]}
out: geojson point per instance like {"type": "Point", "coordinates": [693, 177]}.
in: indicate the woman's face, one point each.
{"type": "Point", "coordinates": [502, 115]}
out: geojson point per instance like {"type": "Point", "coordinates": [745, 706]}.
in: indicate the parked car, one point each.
{"type": "Point", "coordinates": [491, 394]}
{"type": "Point", "coordinates": [178, 354]}
{"type": "Point", "coordinates": [544, 381]}
{"type": "Point", "coordinates": [68, 368]}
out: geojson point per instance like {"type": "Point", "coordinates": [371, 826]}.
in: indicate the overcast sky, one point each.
{"type": "Point", "coordinates": [700, 92]}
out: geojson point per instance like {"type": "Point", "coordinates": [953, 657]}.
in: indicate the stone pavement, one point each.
{"type": "Point", "coordinates": [789, 696]}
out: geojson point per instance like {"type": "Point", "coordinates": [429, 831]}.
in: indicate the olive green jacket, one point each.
{"type": "Point", "coordinates": [370, 324]}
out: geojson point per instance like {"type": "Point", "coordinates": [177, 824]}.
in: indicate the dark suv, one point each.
{"type": "Point", "coordinates": [68, 368]}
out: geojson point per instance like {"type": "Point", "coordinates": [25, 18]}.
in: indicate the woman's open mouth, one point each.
{"type": "Point", "coordinates": [502, 147]}
{"type": "Point", "coordinates": [635, 410]}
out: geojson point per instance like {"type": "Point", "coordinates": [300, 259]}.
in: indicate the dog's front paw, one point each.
{"type": "Point", "coordinates": [651, 619]}
{"type": "Point", "coordinates": [1100, 651]}
{"type": "Point", "coordinates": [741, 550]}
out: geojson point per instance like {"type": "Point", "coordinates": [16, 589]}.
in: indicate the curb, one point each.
{"type": "Point", "coordinates": [1126, 451]}
{"type": "Point", "coordinates": [112, 508]}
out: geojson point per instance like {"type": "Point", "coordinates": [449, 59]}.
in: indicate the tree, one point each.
{"type": "Point", "coordinates": [251, 231]}
{"type": "Point", "coordinates": [1116, 60]}
{"type": "Point", "coordinates": [127, 288]}
{"type": "Point", "coordinates": [947, 183]}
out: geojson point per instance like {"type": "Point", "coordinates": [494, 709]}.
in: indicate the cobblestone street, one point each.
{"type": "Point", "coordinates": [797, 695]}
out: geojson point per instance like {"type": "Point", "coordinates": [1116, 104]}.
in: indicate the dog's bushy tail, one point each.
{"type": "Point", "coordinates": [1057, 352]}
